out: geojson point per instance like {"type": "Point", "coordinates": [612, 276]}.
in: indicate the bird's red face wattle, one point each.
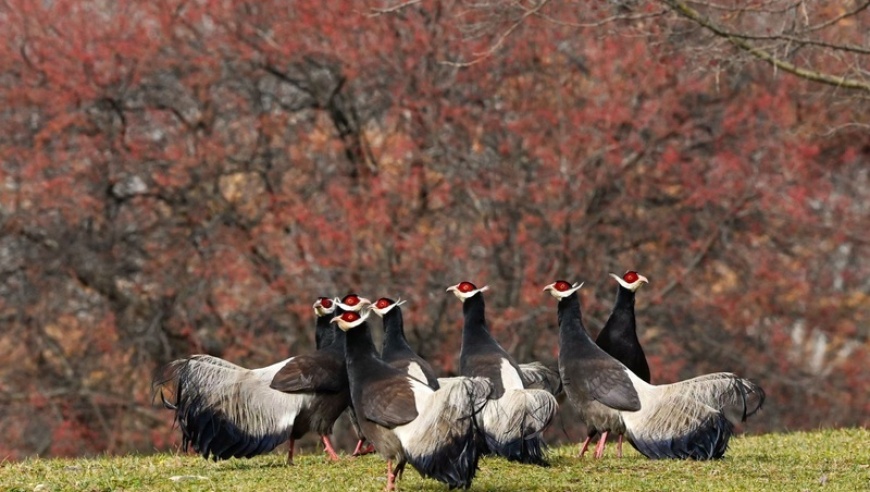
{"type": "Point", "coordinates": [325, 302]}
{"type": "Point", "coordinates": [561, 286]}
{"type": "Point", "coordinates": [630, 277]}
{"type": "Point", "coordinates": [466, 287]}
{"type": "Point", "coordinates": [384, 303]}
{"type": "Point", "coordinates": [350, 300]}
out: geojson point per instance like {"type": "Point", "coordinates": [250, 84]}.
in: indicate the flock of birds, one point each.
{"type": "Point", "coordinates": [441, 426]}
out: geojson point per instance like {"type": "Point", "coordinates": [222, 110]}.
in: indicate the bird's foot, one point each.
{"type": "Point", "coordinates": [327, 444]}
{"type": "Point", "coordinates": [361, 451]}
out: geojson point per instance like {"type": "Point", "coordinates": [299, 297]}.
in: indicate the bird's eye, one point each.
{"type": "Point", "coordinates": [350, 316]}
{"type": "Point", "coordinates": [466, 287]}
{"type": "Point", "coordinates": [562, 286]}
{"type": "Point", "coordinates": [630, 277]}
{"type": "Point", "coordinates": [383, 303]}
{"type": "Point", "coordinates": [325, 302]}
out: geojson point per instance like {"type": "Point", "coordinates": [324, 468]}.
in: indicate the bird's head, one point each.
{"type": "Point", "coordinates": [323, 306]}
{"type": "Point", "coordinates": [561, 289]}
{"type": "Point", "coordinates": [351, 319]}
{"type": "Point", "coordinates": [464, 290]}
{"type": "Point", "coordinates": [631, 280]}
{"type": "Point", "coordinates": [352, 302]}
{"type": "Point", "coordinates": [384, 305]}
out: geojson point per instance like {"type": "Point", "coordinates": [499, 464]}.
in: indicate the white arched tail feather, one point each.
{"type": "Point", "coordinates": [226, 410]}
{"type": "Point", "coordinates": [692, 418]}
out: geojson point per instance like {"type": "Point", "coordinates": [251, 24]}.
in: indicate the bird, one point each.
{"type": "Point", "coordinates": [408, 421]}
{"type": "Point", "coordinates": [619, 339]}
{"type": "Point", "coordinates": [691, 419]}
{"type": "Point", "coordinates": [324, 373]}
{"type": "Point", "coordinates": [395, 350]}
{"type": "Point", "coordinates": [514, 418]}
{"type": "Point", "coordinates": [324, 330]}
{"type": "Point", "coordinates": [225, 410]}
{"type": "Point", "coordinates": [352, 302]}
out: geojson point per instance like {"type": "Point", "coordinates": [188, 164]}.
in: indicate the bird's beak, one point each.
{"type": "Point", "coordinates": [549, 287]}
{"type": "Point", "coordinates": [642, 278]}
{"type": "Point", "coordinates": [333, 320]}
{"type": "Point", "coordinates": [452, 288]}
{"type": "Point", "coordinates": [365, 302]}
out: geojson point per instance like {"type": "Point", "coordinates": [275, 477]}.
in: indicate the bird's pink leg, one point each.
{"type": "Point", "coordinates": [292, 443]}
{"type": "Point", "coordinates": [585, 446]}
{"type": "Point", "coordinates": [391, 477]}
{"type": "Point", "coordinates": [329, 449]}
{"type": "Point", "coordinates": [619, 446]}
{"type": "Point", "coordinates": [599, 449]}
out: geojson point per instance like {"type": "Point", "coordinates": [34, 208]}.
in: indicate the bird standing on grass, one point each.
{"type": "Point", "coordinates": [692, 419]}
{"type": "Point", "coordinates": [408, 421]}
{"type": "Point", "coordinates": [514, 418]}
{"type": "Point", "coordinates": [354, 303]}
{"type": "Point", "coordinates": [619, 339]}
{"type": "Point", "coordinates": [225, 410]}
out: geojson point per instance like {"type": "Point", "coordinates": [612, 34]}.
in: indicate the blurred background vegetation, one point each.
{"type": "Point", "coordinates": [188, 176]}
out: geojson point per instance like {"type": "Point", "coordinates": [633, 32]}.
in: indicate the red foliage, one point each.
{"type": "Point", "coordinates": [185, 177]}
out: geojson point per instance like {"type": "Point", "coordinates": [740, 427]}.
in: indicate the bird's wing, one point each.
{"type": "Point", "coordinates": [390, 401]}
{"type": "Point", "coordinates": [612, 386]}
{"type": "Point", "coordinates": [321, 372]}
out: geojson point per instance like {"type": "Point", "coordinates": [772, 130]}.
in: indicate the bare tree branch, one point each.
{"type": "Point", "coordinates": [835, 80]}
{"type": "Point", "coordinates": [480, 56]}
{"type": "Point", "coordinates": [394, 8]}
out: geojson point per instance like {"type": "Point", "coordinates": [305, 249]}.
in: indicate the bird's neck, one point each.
{"type": "Point", "coordinates": [394, 332]}
{"type": "Point", "coordinates": [621, 321]}
{"type": "Point", "coordinates": [324, 332]}
{"type": "Point", "coordinates": [572, 333]}
{"type": "Point", "coordinates": [474, 331]}
{"type": "Point", "coordinates": [359, 345]}
{"type": "Point", "coordinates": [337, 341]}
{"type": "Point", "coordinates": [624, 299]}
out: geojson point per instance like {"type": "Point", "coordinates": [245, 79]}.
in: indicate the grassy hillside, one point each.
{"type": "Point", "coordinates": [824, 460]}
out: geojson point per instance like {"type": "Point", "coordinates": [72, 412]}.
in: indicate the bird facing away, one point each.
{"type": "Point", "coordinates": [408, 421]}
{"type": "Point", "coordinates": [396, 351]}
{"type": "Point", "coordinates": [514, 418]}
{"type": "Point", "coordinates": [619, 339]}
{"type": "Point", "coordinates": [692, 419]}
{"type": "Point", "coordinates": [225, 410]}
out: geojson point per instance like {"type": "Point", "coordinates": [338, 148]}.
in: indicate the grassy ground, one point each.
{"type": "Point", "coordinates": [825, 460]}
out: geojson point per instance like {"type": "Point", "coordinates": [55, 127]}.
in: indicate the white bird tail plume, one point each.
{"type": "Point", "coordinates": [736, 397]}
{"type": "Point", "coordinates": [536, 375]}
{"type": "Point", "coordinates": [513, 424]}
{"type": "Point", "coordinates": [441, 442]}
{"type": "Point", "coordinates": [692, 419]}
{"type": "Point", "coordinates": [225, 410]}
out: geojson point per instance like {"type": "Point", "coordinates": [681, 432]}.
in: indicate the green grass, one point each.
{"type": "Point", "coordinates": [824, 460]}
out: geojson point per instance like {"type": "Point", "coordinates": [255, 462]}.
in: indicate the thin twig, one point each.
{"type": "Point", "coordinates": [835, 80]}
{"type": "Point", "coordinates": [393, 9]}
{"type": "Point", "coordinates": [480, 56]}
